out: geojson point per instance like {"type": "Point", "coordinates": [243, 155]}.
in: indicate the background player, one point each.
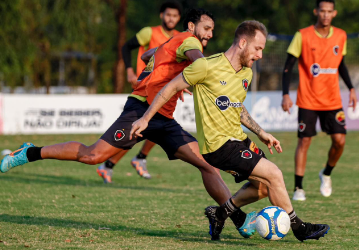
{"type": "Point", "coordinates": [146, 39]}
{"type": "Point", "coordinates": [321, 49]}
{"type": "Point", "coordinates": [219, 114]}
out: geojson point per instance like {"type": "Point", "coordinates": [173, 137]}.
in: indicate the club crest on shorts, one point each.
{"type": "Point", "coordinates": [301, 126]}
{"type": "Point", "coordinates": [246, 154]}
{"type": "Point", "coordinates": [119, 135]}
{"type": "Point", "coordinates": [340, 117]}
{"type": "Point", "coordinates": [245, 84]}
{"type": "Point", "coordinates": [336, 50]}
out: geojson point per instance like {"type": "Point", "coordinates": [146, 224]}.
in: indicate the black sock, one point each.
{"type": "Point", "coordinates": [226, 210]}
{"type": "Point", "coordinates": [141, 156]}
{"type": "Point", "coordinates": [109, 164]}
{"type": "Point", "coordinates": [298, 182]}
{"type": "Point", "coordinates": [295, 222]}
{"type": "Point", "coordinates": [34, 154]}
{"type": "Point", "coordinates": [238, 217]}
{"type": "Point", "coordinates": [328, 169]}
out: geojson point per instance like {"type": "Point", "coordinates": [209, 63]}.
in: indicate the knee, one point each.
{"type": "Point", "coordinates": [304, 142]}
{"type": "Point", "coordinates": [94, 159]}
{"type": "Point", "coordinates": [276, 176]}
{"type": "Point", "coordinates": [339, 142]}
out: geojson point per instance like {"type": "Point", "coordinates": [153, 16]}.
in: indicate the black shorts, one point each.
{"type": "Point", "coordinates": [161, 130]}
{"type": "Point", "coordinates": [237, 158]}
{"type": "Point", "coordinates": [331, 122]}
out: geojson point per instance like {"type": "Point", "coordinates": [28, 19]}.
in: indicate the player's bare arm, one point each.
{"type": "Point", "coordinates": [353, 99]}
{"type": "Point", "coordinates": [148, 54]}
{"type": "Point", "coordinates": [266, 138]}
{"type": "Point", "coordinates": [174, 86]}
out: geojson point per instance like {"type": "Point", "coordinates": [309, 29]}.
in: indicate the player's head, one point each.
{"type": "Point", "coordinates": [200, 23]}
{"type": "Point", "coordinates": [325, 11]}
{"type": "Point", "coordinates": [170, 14]}
{"type": "Point", "coordinates": [250, 37]}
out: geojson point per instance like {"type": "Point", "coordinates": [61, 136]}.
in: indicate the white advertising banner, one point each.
{"type": "Point", "coordinates": [60, 114]}
{"type": "Point", "coordinates": [66, 114]}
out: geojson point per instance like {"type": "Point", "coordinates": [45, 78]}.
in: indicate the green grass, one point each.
{"type": "Point", "coordinates": [64, 205]}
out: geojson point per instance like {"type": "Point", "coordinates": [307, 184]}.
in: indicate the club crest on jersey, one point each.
{"type": "Point", "coordinates": [245, 84]}
{"type": "Point", "coordinates": [246, 154]}
{"type": "Point", "coordinates": [119, 135]}
{"type": "Point", "coordinates": [223, 103]}
{"type": "Point", "coordinates": [301, 126]}
{"type": "Point", "coordinates": [336, 50]}
{"type": "Point", "coordinates": [340, 117]}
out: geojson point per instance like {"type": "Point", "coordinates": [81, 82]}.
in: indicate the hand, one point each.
{"type": "Point", "coordinates": [137, 127]}
{"type": "Point", "coordinates": [182, 95]}
{"type": "Point", "coordinates": [352, 99]}
{"type": "Point", "coordinates": [270, 141]}
{"type": "Point", "coordinates": [132, 77]}
{"type": "Point", "coordinates": [286, 103]}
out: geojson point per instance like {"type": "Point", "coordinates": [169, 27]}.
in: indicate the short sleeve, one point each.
{"type": "Point", "coordinates": [144, 36]}
{"type": "Point", "coordinates": [196, 72]}
{"type": "Point", "coordinates": [345, 48]}
{"type": "Point", "coordinates": [189, 43]}
{"type": "Point", "coordinates": [295, 47]}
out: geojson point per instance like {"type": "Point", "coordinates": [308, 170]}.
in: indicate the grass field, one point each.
{"type": "Point", "coordinates": [64, 205]}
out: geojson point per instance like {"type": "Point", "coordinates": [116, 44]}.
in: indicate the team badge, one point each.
{"type": "Point", "coordinates": [245, 84]}
{"type": "Point", "coordinates": [119, 135]}
{"type": "Point", "coordinates": [336, 50]}
{"type": "Point", "coordinates": [340, 117]}
{"type": "Point", "coordinates": [301, 127]}
{"type": "Point", "coordinates": [246, 154]}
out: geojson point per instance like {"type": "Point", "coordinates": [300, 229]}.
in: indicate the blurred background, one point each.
{"type": "Point", "coordinates": [72, 46]}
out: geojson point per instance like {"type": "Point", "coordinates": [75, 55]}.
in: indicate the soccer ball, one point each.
{"type": "Point", "coordinates": [272, 223]}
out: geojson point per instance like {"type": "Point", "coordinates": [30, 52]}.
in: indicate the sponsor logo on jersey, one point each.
{"type": "Point", "coordinates": [246, 154]}
{"type": "Point", "coordinates": [223, 82]}
{"type": "Point", "coordinates": [336, 50]}
{"type": "Point", "coordinates": [315, 70]}
{"type": "Point", "coordinates": [340, 117]}
{"type": "Point", "coordinates": [119, 135]}
{"type": "Point", "coordinates": [223, 103]}
{"type": "Point", "coordinates": [301, 126]}
{"type": "Point", "coordinates": [245, 84]}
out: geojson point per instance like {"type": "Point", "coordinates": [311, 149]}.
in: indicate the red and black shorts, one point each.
{"type": "Point", "coordinates": [161, 130]}
{"type": "Point", "coordinates": [237, 158]}
{"type": "Point", "coordinates": [331, 122]}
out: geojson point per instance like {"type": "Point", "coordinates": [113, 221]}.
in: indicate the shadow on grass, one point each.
{"type": "Point", "coordinates": [70, 181]}
{"type": "Point", "coordinates": [55, 222]}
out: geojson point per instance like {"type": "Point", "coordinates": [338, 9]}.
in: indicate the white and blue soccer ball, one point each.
{"type": "Point", "coordinates": [272, 223]}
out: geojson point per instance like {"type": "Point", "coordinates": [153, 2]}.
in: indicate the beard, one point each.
{"type": "Point", "coordinates": [166, 26]}
{"type": "Point", "coordinates": [244, 58]}
{"type": "Point", "coordinates": [201, 39]}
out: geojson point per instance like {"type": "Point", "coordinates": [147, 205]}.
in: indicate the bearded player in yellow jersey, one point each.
{"type": "Point", "coordinates": [220, 86]}
{"type": "Point", "coordinates": [146, 39]}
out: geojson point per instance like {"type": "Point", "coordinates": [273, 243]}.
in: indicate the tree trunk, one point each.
{"type": "Point", "coordinates": [120, 65]}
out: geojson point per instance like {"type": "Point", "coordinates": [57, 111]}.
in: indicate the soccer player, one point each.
{"type": "Point", "coordinates": [146, 39]}
{"type": "Point", "coordinates": [321, 49]}
{"type": "Point", "coordinates": [220, 85]}
{"type": "Point", "coordinates": [168, 61]}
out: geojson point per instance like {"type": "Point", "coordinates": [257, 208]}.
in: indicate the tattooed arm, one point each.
{"type": "Point", "coordinates": [247, 120]}
{"type": "Point", "coordinates": [266, 138]}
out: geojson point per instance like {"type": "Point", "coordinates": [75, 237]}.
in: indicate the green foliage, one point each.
{"type": "Point", "coordinates": [34, 33]}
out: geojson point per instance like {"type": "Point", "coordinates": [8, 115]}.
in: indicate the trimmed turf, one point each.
{"type": "Point", "coordinates": [65, 205]}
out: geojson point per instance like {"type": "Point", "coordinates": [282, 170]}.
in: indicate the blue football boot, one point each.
{"type": "Point", "coordinates": [249, 226]}
{"type": "Point", "coordinates": [16, 158]}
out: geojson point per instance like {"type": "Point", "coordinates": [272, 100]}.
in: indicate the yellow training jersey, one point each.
{"type": "Point", "coordinates": [219, 92]}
